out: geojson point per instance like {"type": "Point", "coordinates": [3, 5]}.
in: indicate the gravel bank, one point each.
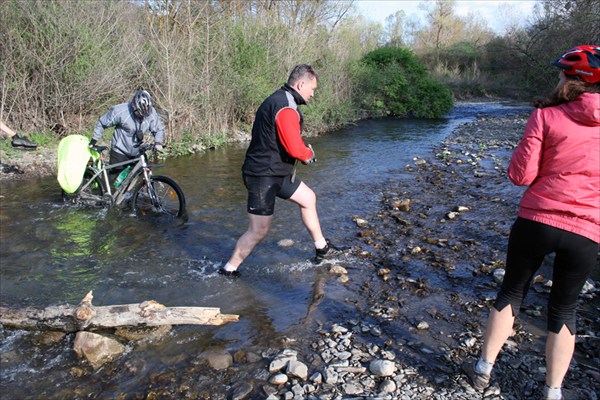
{"type": "Point", "coordinates": [436, 251]}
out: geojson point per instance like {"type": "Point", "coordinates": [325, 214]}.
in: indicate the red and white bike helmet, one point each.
{"type": "Point", "coordinates": [582, 61]}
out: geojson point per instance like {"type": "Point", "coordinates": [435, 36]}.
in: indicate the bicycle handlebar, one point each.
{"type": "Point", "coordinates": [97, 148]}
{"type": "Point", "coordinates": [143, 147]}
{"type": "Point", "coordinates": [146, 146]}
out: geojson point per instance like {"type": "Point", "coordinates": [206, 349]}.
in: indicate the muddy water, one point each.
{"type": "Point", "coordinates": [51, 254]}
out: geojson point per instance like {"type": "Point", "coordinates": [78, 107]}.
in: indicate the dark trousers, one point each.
{"type": "Point", "coordinates": [116, 157]}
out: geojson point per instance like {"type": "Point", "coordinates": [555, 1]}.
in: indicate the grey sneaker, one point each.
{"type": "Point", "coordinates": [477, 380]}
{"type": "Point", "coordinates": [329, 251]}
{"type": "Point", "coordinates": [547, 397]}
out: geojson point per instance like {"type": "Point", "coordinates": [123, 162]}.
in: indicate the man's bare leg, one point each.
{"type": "Point", "coordinates": [258, 227]}
{"type": "Point", "coordinates": [307, 200]}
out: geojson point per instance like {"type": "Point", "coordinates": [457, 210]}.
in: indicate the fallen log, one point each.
{"type": "Point", "coordinates": [85, 316]}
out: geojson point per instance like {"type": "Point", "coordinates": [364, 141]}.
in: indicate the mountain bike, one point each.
{"type": "Point", "coordinates": [148, 194]}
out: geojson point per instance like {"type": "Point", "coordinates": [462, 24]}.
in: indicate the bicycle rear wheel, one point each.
{"type": "Point", "coordinates": [90, 195]}
{"type": "Point", "coordinates": [163, 197]}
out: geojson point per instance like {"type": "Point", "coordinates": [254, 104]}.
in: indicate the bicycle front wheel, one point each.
{"type": "Point", "coordinates": [162, 197]}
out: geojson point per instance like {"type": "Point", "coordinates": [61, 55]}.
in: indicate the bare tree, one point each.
{"type": "Point", "coordinates": [394, 30]}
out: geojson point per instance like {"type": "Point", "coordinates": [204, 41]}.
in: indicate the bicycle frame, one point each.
{"type": "Point", "coordinates": [140, 168]}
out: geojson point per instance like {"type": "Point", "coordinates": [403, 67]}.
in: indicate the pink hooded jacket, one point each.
{"type": "Point", "coordinates": [559, 158]}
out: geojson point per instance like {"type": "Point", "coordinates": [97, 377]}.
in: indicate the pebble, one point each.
{"type": "Point", "coordinates": [499, 275]}
{"type": "Point", "coordinates": [387, 386]}
{"type": "Point", "coordinates": [422, 325]}
{"type": "Point", "coordinates": [361, 222]}
{"type": "Point", "coordinates": [382, 367]}
{"type": "Point", "coordinates": [338, 270]}
{"type": "Point", "coordinates": [285, 243]}
{"type": "Point", "coordinates": [278, 379]}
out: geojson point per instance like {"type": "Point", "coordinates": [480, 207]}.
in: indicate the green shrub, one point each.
{"type": "Point", "coordinates": [392, 82]}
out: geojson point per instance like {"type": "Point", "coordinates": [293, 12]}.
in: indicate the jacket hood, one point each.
{"type": "Point", "coordinates": [585, 109]}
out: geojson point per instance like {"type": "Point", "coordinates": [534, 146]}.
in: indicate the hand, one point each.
{"type": "Point", "coordinates": [312, 159]}
{"type": "Point", "coordinates": [92, 143]}
{"type": "Point", "coordinates": [158, 147]}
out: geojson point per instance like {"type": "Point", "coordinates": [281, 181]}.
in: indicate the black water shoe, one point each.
{"type": "Point", "coordinates": [229, 274]}
{"type": "Point", "coordinates": [23, 141]}
{"type": "Point", "coordinates": [329, 251]}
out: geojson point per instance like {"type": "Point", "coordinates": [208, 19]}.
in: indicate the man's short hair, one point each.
{"type": "Point", "coordinates": [302, 71]}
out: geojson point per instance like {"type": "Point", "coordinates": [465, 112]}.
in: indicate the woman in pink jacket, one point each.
{"type": "Point", "coordinates": [559, 158]}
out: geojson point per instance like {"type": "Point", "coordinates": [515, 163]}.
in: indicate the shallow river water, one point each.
{"type": "Point", "coordinates": [54, 254]}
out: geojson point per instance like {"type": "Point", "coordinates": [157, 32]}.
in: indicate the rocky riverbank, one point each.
{"type": "Point", "coordinates": [446, 218]}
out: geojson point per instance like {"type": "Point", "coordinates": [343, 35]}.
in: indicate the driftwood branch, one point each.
{"type": "Point", "coordinates": [85, 316]}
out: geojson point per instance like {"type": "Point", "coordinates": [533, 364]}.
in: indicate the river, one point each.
{"type": "Point", "coordinates": [54, 254]}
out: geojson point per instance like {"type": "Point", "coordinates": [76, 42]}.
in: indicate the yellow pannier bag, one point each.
{"type": "Point", "coordinates": [74, 153]}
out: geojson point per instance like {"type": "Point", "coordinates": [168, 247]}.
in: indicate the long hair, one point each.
{"type": "Point", "coordinates": [572, 89]}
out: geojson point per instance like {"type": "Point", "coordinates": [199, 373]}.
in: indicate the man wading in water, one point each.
{"type": "Point", "coordinates": [268, 169]}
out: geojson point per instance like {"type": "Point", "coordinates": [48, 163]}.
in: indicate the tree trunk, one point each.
{"type": "Point", "coordinates": [69, 318]}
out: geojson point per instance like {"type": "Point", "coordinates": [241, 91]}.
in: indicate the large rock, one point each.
{"type": "Point", "coordinates": [281, 360]}
{"type": "Point", "coordinates": [297, 369]}
{"type": "Point", "coordinates": [96, 349]}
{"type": "Point", "coordinates": [217, 358]}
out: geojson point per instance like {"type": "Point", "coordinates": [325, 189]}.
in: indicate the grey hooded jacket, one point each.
{"type": "Point", "coordinates": [129, 129]}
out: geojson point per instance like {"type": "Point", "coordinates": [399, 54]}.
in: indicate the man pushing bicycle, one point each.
{"type": "Point", "coordinates": [131, 121]}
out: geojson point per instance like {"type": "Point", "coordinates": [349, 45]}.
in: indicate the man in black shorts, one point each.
{"type": "Point", "coordinates": [268, 169]}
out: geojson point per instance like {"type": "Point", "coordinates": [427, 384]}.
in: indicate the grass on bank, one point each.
{"type": "Point", "coordinates": [45, 140]}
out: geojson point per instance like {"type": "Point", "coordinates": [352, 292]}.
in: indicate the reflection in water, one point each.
{"type": "Point", "coordinates": [76, 232]}
{"type": "Point", "coordinates": [317, 296]}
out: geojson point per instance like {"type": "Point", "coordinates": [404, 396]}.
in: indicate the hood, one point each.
{"type": "Point", "coordinates": [585, 109]}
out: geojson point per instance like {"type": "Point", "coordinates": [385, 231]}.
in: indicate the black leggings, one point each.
{"type": "Point", "coordinates": [528, 244]}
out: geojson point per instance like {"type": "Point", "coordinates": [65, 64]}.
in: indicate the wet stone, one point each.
{"type": "Point", "coordinates": [285, 243]}
{"type": "Point", "coordinates": [422, 325]}
{"type": "Point", "coordinates": [217, 358]}
{"type": "Point", "coordinates": [499, 275]}
{"type": "Point", "coordinates": [242, 391]}
{"type": "Point", "coordinates": [269, 390]}
{"type": "Point", "coordinates": [338, 270]}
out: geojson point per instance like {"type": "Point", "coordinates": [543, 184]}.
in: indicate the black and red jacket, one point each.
{"type": "Point", "coordinates": [277, 136]}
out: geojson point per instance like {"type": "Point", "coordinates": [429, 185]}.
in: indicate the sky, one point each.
{"type": "Point", "coordinates": [378, 10]}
